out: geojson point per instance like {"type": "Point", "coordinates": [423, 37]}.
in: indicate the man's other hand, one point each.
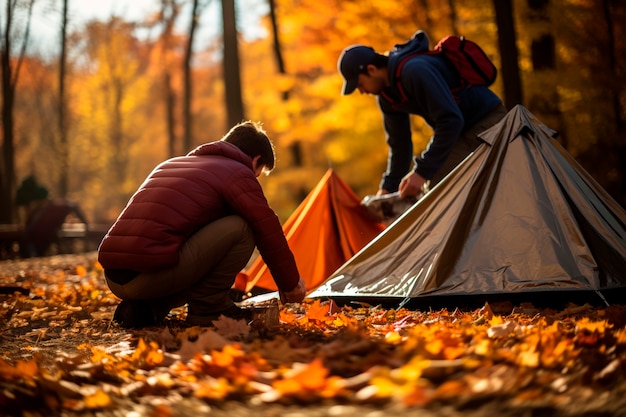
{"type": "Point", "coordinates": [294, 296]}
{"type": "Point", "coordinates": [411, 185]}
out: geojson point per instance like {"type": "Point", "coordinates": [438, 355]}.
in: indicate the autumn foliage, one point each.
{"type": "Point", "coordinates": [62, 353]}
{"type": "Point", "coordinates": [125, 92]}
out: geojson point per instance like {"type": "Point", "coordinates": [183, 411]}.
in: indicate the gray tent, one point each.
{"type": "Point", "coordinates": [518, 217]}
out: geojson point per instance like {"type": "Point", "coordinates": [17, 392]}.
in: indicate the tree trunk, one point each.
{"type": "Point", "coordinates": [453, 17]}
{"type": "Point", "coordinates": [616, 93]}
{"type": "Point", "coordinates": [9, 81]}
{"type": "Point", "coordinates": [618, 145]}
{"type": "Point", "coordinates": [232, 78]}
{"type": "Point", "coordinates": [63, 146]}
{"type": "Point", "coordinates": [278, 50]}
{"type": "Point", "coordinates": [120, 158]}
{"type": "Point", "coordinates": [508, 53]}
{"type": "Point", "coordinates": [187, 94]}
{"type": "Point", "coordinates": [169, 13]}
{"type": "Point", "coordinates": [7, 169]}
{"type": "Point", "coordinates": [170, 105]}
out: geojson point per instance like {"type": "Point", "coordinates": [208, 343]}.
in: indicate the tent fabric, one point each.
{"type": "Point", "coordinates": [324, 231]}
{"type": "Point", "coordinates": [519, 215]}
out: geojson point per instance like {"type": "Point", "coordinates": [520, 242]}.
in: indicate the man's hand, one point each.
{"type": "Point", "coordinates": [294, 296]}
{"type": "Point", "coordinates": [411, 185]}
{"type": "Point", "coordinates": [381, 191]}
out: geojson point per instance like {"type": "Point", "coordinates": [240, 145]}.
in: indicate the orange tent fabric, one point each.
{"type": "Point", "coordinates": [324, 231]}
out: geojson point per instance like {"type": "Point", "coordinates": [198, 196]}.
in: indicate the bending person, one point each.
{"type": "Point", "coordinates": [191, 227]}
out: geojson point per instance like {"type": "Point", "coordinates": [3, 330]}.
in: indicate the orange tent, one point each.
{"type": "Point", "coordinates": [324, 231]}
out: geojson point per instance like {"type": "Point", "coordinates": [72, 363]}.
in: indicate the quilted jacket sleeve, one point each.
{"type": "Point", "coordinates": [247, 199]}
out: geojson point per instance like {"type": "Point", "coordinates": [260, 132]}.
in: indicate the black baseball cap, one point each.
{"type": "Point", "coordinates": [351, 63]}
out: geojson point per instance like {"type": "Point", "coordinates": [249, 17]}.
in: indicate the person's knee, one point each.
{"type": "Point", "coordinates": [233, 222]}
{"type": "Point", "coordinates": [237, 225]}
{"type": "Point", "coordinates": [246, 236]}
{"type": "Point", "coordinates": [230, 233]}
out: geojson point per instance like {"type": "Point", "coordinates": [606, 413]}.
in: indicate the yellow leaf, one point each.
{"type": "Point", "coordinates": [385, 387]}
{"type": "Point", "coordinates": [496, 321]}
{"type": "Point", "coordinates": [213, 389]}
{"type": "Point", "coordinates": [434, 346]}
{"type": "Point", "coordinates": [99, 399]}
{"type": "Point", "coordinates": [484, 347]}
{"type": "Point", "coordinates": [393, 337]}
{"type": "Point", "coordinates": [528, 359]}
{"type": "Point", "coordinates": [412, 371]}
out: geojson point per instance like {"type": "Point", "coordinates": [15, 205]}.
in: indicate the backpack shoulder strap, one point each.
{"type": "Point", "coordinates": [400, 66]}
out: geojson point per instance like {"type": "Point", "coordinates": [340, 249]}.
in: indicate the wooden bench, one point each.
{"type": "Point", "coordinates": [71, 238]}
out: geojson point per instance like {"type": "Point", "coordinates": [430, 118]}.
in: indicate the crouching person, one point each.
{"type": "Point", "coordinates": [191, 227]}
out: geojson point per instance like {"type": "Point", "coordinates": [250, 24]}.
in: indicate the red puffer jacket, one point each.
{"type": "Point", "coordinates": [183, 194]}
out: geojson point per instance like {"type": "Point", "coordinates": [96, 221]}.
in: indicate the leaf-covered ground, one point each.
{"type": "Point", "coordinates": [62, 355]}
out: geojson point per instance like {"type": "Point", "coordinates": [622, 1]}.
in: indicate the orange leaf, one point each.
{"type": "Point", "coordinates": [453, 352]}
{"type": "Point", "coordinates": [286, 386]}
{"type": "Point", "coordinates": [318, 311]}
{"type": "Point", "coordinates": [434, 346]}
{"type": "Point", "coordinates": [22, 369]}
{"type": "Point", "coordinates": [227, 356]}
{"type": "Point", "coordinates": [154, 357]}
{"type": "Point", "coordinates": [591, 326]}
{"type": "Point", "coordinates": [311, 377]}
{"type": "Point", "coordinates": [417, 397]}
{"type": "Point", "coordinates": [162, 410]}
{"type": "Point", "coordinates": [450, 389]}
{"type": "Point", "coordinates": [287, 316]}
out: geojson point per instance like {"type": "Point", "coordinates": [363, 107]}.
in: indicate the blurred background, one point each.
{"type": "Point", "coordinates": [95, 94]}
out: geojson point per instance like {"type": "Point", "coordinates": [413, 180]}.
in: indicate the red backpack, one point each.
{"type": "Point", "coordinates": [471, 63]}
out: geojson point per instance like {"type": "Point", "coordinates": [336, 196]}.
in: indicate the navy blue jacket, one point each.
{"type": "Point", "coordinates": [427, 80]}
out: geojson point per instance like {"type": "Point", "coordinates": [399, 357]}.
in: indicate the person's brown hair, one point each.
{"type": "Point", "coordinates": [252, 140]}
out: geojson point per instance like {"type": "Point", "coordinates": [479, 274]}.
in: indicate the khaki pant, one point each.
{"type": "Point", "coordinates": [209, 262]}
{"type": "Point", "coordinates": [467, 143]}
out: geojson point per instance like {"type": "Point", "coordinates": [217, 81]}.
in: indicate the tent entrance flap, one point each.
{"type": "Point", "coordinates": [325, 230]}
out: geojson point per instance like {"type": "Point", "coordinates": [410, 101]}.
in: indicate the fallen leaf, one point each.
{"type": "Point", "coordinates": [205, 342]}
{"type": "Point", "coordinates": [22, 369]}
{"type": "Point", "coordinates": [98, 399]}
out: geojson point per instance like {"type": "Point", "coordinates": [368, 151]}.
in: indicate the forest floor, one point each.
{"type": "Point", "coordinates": [63, 356]}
